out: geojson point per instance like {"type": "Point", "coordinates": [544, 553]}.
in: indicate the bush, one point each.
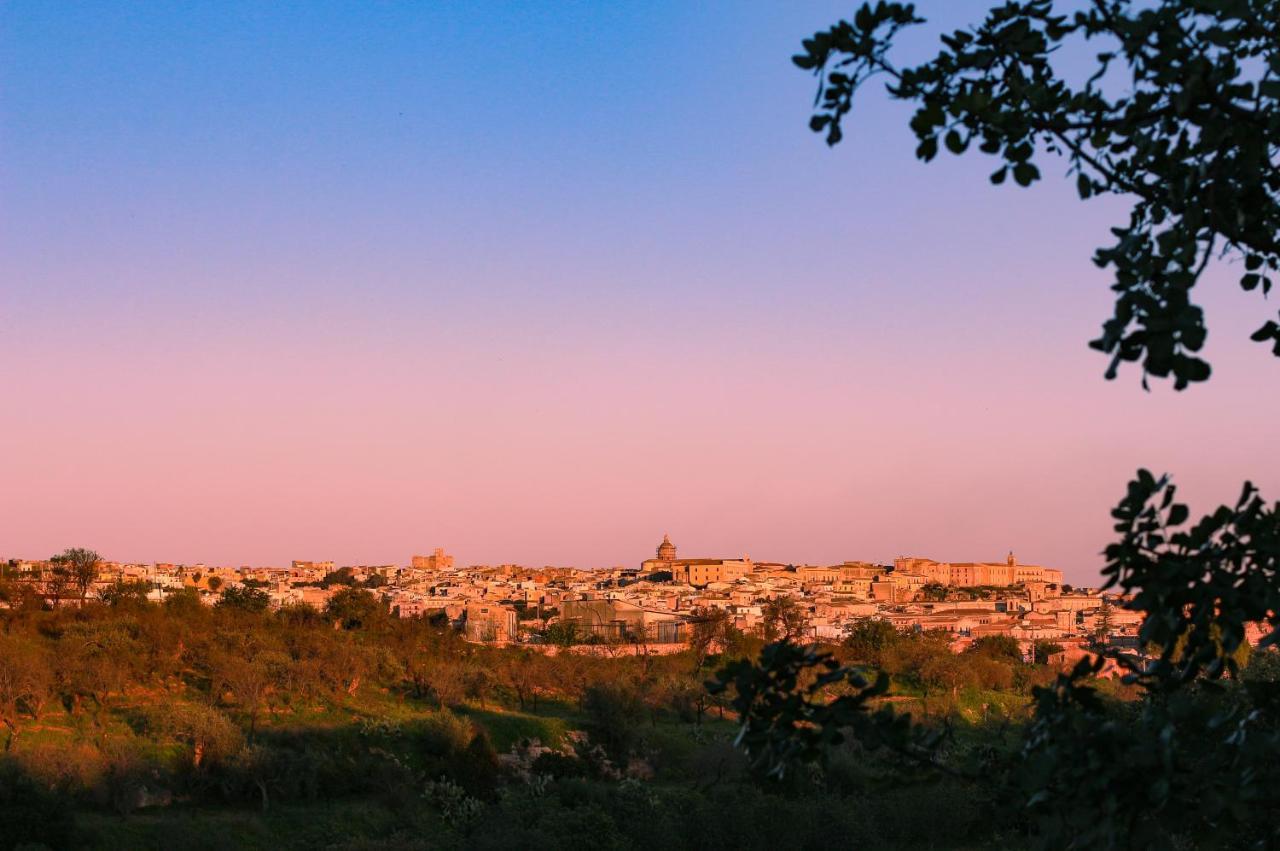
{"type": "Point", "coordinates": [613, 713]}
{"type": "Point", "coordinates": [477, 768]}
{"type": "Point", "coordinates": [355, 608]}
{"type": "Point", "coordinates": [457, 808]}
{"type": "Point", "coordinates": [1044, 650]}
{"type": "Point", "coordinates": [442, 734]}
{"type": "Point", "coordinates": [244, 598]}
{"type": "Point", "coordinates": [127, 780]}
{"type": "Point", "coordinates": [558, 765]}
{"type": "Point", "coordinates": [868, 639]}
{"type": "Point", "coordinates": [31, 815]}
{"type": "Point", "coordinates": [1002, 647]}
{"type": "Point", "coordinates": [992, 673]}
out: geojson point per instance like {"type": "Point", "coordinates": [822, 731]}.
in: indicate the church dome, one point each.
{"type": "Point", "coordinates": [666, 550]}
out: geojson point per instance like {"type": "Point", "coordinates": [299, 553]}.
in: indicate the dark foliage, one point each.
{"type": "Point", "coordinates": [789, 719]}
{"type": "Point", "coordinates": [1182, 115]}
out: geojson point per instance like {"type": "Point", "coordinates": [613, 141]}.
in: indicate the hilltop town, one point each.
{"type": "Point", "coordinates": [654, 605]}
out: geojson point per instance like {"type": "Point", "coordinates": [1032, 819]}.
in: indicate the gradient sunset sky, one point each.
{"type": "Point", "coordinates": [541, 282]}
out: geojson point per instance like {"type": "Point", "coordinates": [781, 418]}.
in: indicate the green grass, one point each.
{"type": "Point", "coordinates": [508, 726]}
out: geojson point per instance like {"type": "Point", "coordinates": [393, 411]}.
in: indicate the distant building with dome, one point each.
{"type": "Point", "coordinates": [695, 571]}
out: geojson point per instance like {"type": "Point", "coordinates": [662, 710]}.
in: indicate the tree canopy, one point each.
{"type": "Point", "coordinates": [1181, 116]}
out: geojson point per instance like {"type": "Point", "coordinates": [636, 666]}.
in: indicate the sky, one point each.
{"type": "Point", "coordinates": [540, 282]}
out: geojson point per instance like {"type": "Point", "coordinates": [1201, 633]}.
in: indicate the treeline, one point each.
{"type": "Point", "coordinates": [250, 662]}
{"type": "Point", "coordinates": [234, 703]}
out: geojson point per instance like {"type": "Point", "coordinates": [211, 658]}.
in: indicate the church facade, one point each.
{"type": "Point", "coordinates": [695, 571]}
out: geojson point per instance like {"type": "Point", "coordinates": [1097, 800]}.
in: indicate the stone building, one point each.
{"type": "Point", "coordinates": [619, 620]}
{"type": "Point", "coordinates": [695, 571]}
{"type": "Point", "coordinates": [491, 622]}
{"type": "Point", "coordinates": [968, 574]}
{"type": "Point", "coordinates": [438, 560]}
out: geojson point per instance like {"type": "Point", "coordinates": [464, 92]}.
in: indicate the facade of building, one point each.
{"type": "Point", "coordinates": [491, 622]}
{"type": "Point", "coordinates": [313, 566]}
{"type": "Point", "coordinates": [968, 574]}
{"type": "Point", "coordinates": [438, 560]}
{"type": "Point", "coordinates": [695, 571]}
{"type": "Point", "coordinates": [619, 620]}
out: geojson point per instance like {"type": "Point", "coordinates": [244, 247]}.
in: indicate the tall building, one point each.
{"type": "Point", "coordinates": [666, 550]}
{"type": "Point", "coordinates": [436, 561]}
{"type": "Point", "coordinates": [695, 571]}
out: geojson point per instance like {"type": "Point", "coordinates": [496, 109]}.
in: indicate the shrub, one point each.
{"type": "Point", "coordinates": [992, 672]}
{"type": "Point", "coordinates": [477, 767]}
{"type": "Point", "coordinates": [31, 815]}
{"type": "Point", "coordinates": [443, 733]}
{"type": "Point", "coordinates": [869, 638]}
{"type": "Point", "coordinates": [355, 608]}
{"type": "Point", "coordinates": [244, 598]}
{"type": "Point", "coordinates": [1003, 647]}
{"type": "Point", "coordinates": [457, 808]}
{"type": "Point", "coordinates": [558, 766]}
{"type": "Point", "coordinates": [613, 713]}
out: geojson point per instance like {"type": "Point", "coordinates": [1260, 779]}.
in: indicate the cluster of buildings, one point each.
{"type": "Point", "coordinates": [657, 603]}
{"type": "Point", "coordinates": [968, 600]}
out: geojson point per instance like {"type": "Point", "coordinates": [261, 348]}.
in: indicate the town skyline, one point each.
{"type": "Point", "coordinates": [621, 563]}
{"type": "Point", "coordinates": [663, 598]}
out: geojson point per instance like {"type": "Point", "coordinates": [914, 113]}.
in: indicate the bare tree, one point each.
{"type": "Point", "coordinates": [522, 671]}
{"type": "Point", "coordinates": [783, 619]}
{"type": "Point", "coordinates": [248, 680]}
{"type": "Point", "coordinates": [26, 683]}
{"type": "Point", "coordinates": [709, 626]}
{"type": "Point", "coordinates": [83, 567]}
{"type": "Point", "coordinates": [56, 581]}
{"type": "Point", "coordinates": [447, 679]}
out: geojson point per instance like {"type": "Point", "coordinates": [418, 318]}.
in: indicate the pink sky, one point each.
{"type": "Point", "coordinates": [350, 314]}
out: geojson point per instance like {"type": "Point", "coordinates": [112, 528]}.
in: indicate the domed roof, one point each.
{"type": "Point", "coordinates": [666, 550]}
